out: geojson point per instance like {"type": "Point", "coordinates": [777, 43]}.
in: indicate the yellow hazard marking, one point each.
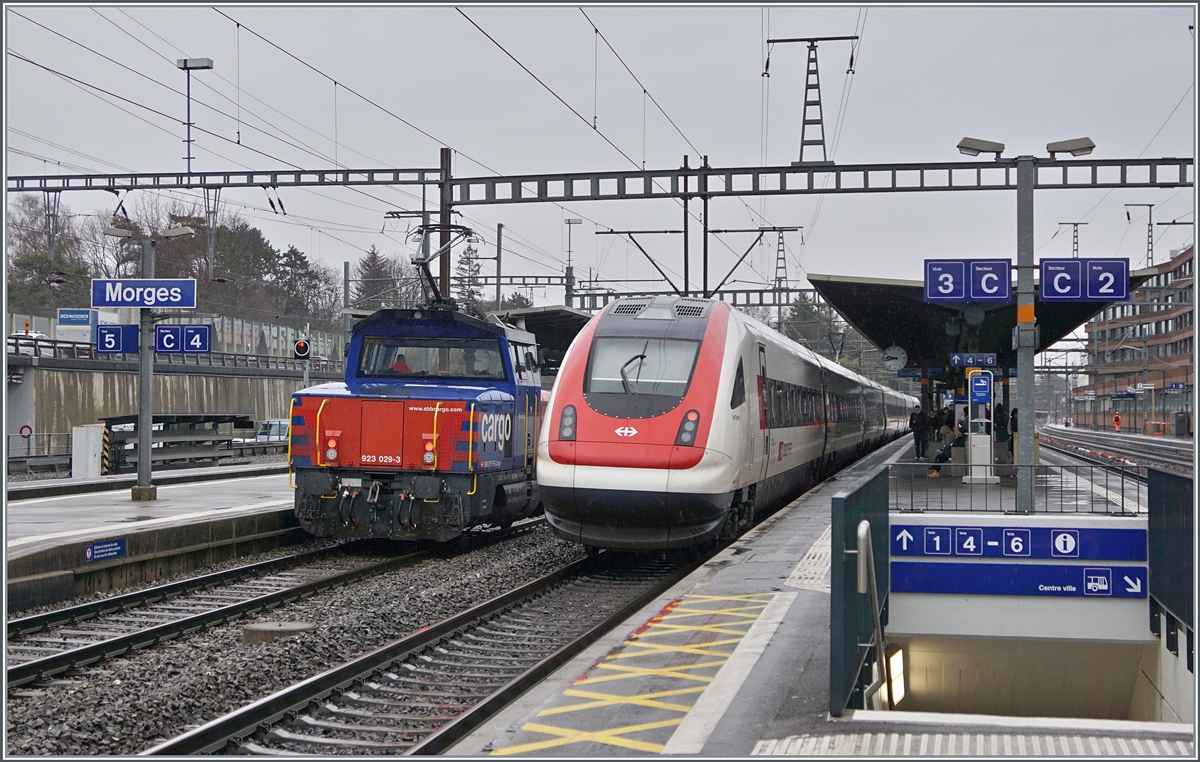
{"type": "Point", "coordinates": [744, 610]}
{"type": "Point", "coordinates": [609, 699]}
{"type": "Point", "coordinates": [628, 672]}
{"type": "Point", "coordinates": [612, 737]}
{"type": "Point", "coordinates": [660, 648]}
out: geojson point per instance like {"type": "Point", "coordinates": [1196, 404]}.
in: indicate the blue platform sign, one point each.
{"type": "Point", "coordinates": [182, 339]}
{"type": "Point", "coordinates": [168, 339]}
{"type": "Point", "coordinates": [1177, 386]}
{"type": "Point", "coordinates": [945, 280]}
{"type": "Point", "coordinates": [101, 551]}
{"type": "Point", "coordinates": [981, 389]}
{"type": "Point", "coordinates": [1062, 280]}
{"type": "Point", "coordinates": [968, 280]}
{"type": "Point", "coordinates": [991, 280]}
{"type": "Point", "coordinates": [1084, 280]}
{"type": "Point", "coordinates": [1086, 543]}
{"type": "Point", "coordinates": [196, 339]}
{"type": "Point", "coordinates": [973, 360]}
{"type": "Point", "coordinates": [144, 292]}
{"type": "Point", "coordinates": [1107, 280]}
{"type": "Point", "coordinates": [1019, 579]}
{"type": "Point", "coordinates": [116, 339]}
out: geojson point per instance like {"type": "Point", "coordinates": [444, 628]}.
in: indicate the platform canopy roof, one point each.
{"type": "Point", "coordinates": [894, 312]}
{"type": "Point", "coordinates": [555, 326]}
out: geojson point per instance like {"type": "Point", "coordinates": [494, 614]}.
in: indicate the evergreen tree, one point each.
{"type": "Point", "coordinates": [516, 301]}
{"type": "Point", "coordinates": [466, 282]}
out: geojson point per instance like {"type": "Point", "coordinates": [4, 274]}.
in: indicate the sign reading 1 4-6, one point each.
{"type": "Point", "coordinates": [144, 292]}
{"type": "Point", "coordinates": [968, 280]}
{"type": "Point", "coordinates": [1085, 280]}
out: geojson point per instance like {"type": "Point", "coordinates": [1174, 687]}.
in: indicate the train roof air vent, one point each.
{"type": "Point", "coordinates": [690, 307]}
{"type": "Point", "coordinates": [629, 308]}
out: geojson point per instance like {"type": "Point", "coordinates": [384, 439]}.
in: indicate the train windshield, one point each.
{"type": "Point", "coordinates": [660, 367]}
{"type": "Point", "coordinates": [418, 357]}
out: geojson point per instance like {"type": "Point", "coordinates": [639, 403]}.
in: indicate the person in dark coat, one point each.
{"type": "Point", "coordinates": [918, 421]}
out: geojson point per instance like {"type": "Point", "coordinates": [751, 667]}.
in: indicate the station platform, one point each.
{"type": "Point", "coordinates": [734, 661]}
{"type": "Point", "coordinates": [67, 486]}
{"type": "Point", "coordinates": [64, 546]}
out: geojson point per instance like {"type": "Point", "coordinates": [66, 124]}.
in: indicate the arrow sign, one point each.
{"type": "Point", "coordinates": [1132, 585]}
{"type": "Point", "coordinates": [904, 538]}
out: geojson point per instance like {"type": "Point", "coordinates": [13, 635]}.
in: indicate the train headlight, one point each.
{"type": "Point", "coordinates": [567, 424]}
{"type": "Point", "coordinates": [687, 429]}
{"type": "Point", "coordinates": [428, 445]}
{"type": "Point", "coordinates": [331, 449]}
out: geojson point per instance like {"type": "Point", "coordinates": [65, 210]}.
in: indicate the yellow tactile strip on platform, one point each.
{"type": "Point", "coordinates": [970, 744]}
{"type": "Point", "coordinates": [635, 696]}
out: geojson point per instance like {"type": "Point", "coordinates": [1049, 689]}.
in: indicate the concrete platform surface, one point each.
{"type": "Point", "coordinates": [734, 661]}
{"type": "Point", "coordinates": [41, 522]}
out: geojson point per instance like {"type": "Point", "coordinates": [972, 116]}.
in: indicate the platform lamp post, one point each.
{"type": "Point", "coordinates": [189, 65]}
{"type": "Point", "coordinates": [1026, 325]}
{"type": "Point", "coordinates": [143, 490]}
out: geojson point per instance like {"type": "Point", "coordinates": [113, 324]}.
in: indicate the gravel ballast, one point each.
{"type": "Point", "coordinates": [127, 704]}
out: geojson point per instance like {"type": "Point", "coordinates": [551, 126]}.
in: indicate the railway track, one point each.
{"type": "Point", "coordinates": [1116, 449]}
{"type": "Point", "coordinates": [41, 646]}
{"type": "Point", "coordinates": [424, 692]}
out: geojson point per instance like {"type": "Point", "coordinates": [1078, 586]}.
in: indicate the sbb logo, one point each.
{"type": "Point", "coordinates": [495, 427]}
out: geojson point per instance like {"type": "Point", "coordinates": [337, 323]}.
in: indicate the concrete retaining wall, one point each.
{"type": "Point", "coordinates": [56, 395]}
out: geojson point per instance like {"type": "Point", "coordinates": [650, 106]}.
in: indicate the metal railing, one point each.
{"type": "Point", "coordinates": [83, 351]}
{"type": "Point", "coordinates": [858, 565]}
{"type": "Point", "coordinates": [1171, 525]}
{"type": "Point", "coordinates": [36, 445]}
{"type": "Point", "coordinates": [1114, 490]}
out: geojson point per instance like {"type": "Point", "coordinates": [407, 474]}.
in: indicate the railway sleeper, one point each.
{"type": "Point", "coordinates": [306, 721]}
{"type": "Point", "coordinates": [424, 719]}
{"type": "Point", "coordinates": [285, 736]}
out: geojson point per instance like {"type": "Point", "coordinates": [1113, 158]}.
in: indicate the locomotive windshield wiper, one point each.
{"type": "Point", "coordinates": [625, 384]}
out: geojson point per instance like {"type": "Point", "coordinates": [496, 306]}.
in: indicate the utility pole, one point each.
{"type": "Point", "coordinates": [499, 238]}
{"type": "Point", "coordinates": [306, 359]}
{"type": "Point", "coordinates": [189, 65]}
{"type": "Point", "coordinates": [686, 198]}
{"type": "Point", "coordinates": [444, 240]}
{"type": "Point", "coordinates": [346, 307]}
{"type": "Point", "coordinates": [812, 97]}
{"type": "Point", "coordinates": [1074, 237]}
{"type": "Point", "coordinates": [1149, 231]}
{"type": "Point", "coordinates": [570, 290]}
{"type": "Point", "coordinates": [705, 197]}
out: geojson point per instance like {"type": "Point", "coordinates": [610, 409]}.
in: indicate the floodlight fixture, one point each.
{"type": "Point", "coordinates": [975, 146]}
{"type": "Point", "coordinates": [178, 232]}
{"type": "Point", "coordinates": [1075, 147]}
{"type": "Point", "coordinates": [118, 232]}
{"type": "Point", "coordinates": [189, 64]}
{"type": "Point", "coordinates": [573, 221]}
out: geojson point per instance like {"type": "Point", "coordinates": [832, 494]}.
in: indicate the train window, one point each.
{"type": "Point", "coordinates": [660, 367]}
{"type": "Point", "coordinates": [417, 357]}
{"type": "Point", "coordinates": [739, 388]}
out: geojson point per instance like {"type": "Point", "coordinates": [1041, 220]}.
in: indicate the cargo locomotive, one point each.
{"type": "Point", "coordinates": [675, 421]}
{"type": "Point", "coordinates": [432, 431]}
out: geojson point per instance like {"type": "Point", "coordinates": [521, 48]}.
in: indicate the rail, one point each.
{"type": "Point", "coordinates": [867, 583]}
{"type": "Point", "coordinates": [281, 719]}
{"type": "Point", "coordinates": [1130, 448]}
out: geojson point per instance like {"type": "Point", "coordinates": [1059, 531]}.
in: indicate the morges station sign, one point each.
{"type": "Point", "coordinates": [144, 292]}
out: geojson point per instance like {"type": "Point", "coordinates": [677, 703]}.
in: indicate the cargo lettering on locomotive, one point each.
{"type": "Point", "coordinates": [418, 441]}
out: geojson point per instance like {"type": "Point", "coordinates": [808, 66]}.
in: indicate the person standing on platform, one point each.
{"type": "Point", "coordinates": [918, 421]}
{"type": "Point", "coordinates": [1117, 423]}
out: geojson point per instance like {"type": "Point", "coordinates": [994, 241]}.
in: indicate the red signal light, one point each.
{"type": "Point", "coordinates": [331, 443]}
{"type": "Point", "coordinates": [331, 449]}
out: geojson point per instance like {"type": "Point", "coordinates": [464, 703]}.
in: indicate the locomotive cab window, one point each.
{"type": "Point", "coordinates": [418, 357]}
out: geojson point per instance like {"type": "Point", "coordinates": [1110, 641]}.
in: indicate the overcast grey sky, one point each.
{"type": "Point", "coordinates": [924, 78]}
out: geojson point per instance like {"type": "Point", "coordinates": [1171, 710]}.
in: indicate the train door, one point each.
{"type": "Point", "coordinates": [764, 389]}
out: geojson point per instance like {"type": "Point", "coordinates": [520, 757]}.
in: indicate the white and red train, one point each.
{"type": "Point", "coordinates": [677, 420]}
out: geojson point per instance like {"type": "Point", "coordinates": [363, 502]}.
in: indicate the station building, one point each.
{"type": "Point", "coordinates": [1143, 356]}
